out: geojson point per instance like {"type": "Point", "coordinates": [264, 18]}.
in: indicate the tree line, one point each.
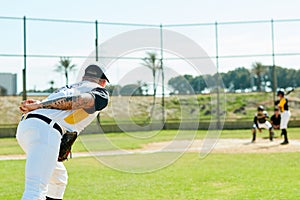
{"type": "Point", "coordinates": [258, 78]}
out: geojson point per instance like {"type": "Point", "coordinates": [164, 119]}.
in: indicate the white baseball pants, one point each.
{"type": "Point", "coordinates": [285, 118]}
{"type": "Point", "coordinates": [44, 176]}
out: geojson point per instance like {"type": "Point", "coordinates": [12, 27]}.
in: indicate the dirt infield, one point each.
{"type": "Point", "coordinates": [233, 146]}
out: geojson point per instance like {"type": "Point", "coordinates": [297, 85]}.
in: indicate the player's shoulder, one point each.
{"type": "Point", "coordinates": [100, 89]}
{"type": "Point", "coordinates": [102, 92]}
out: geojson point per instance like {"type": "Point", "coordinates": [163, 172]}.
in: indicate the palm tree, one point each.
{"type": "Point", "coordinates": [258, 69]}
{"type": "Point", "coordinates": [65, 67]}
{"type": "Point", "coordinates": [154, 64]}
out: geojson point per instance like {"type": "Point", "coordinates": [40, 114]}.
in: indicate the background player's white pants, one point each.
{"type": "Point", "coordinates": [44, 176]}
{"type": "Point", "coordinates": [285, 117]}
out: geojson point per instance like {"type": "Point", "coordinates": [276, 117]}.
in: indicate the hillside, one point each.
{"type": "Point", "coordinates": [236, 106]}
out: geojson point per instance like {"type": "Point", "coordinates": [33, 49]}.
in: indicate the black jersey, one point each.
{"type": "Point", "coordinates": [261, 117]}
{"type": "Point", "coordinates": [275, 120]}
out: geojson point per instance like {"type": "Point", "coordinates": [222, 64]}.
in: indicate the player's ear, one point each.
{"type": "Point", "coordinates": [102, 82]}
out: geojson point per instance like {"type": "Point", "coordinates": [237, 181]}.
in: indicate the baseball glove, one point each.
{"type": "Point", "coordinates": [66, 143]}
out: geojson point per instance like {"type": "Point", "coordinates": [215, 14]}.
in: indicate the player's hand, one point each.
{"type": "Point", "coordinates": [29, 105]}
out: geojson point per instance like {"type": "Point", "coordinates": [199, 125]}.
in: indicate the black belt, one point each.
{"type": "Point", "coordinates": [45, 119]}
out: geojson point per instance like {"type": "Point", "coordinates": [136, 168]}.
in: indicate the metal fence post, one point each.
{"type": "Point", "coordinates": [162, 75]}
{"type": "Point", "coordinates": [24, 55]}
{"type": "Point", "coordinates": [273, 59]}
{"type": "Point", "coordinates": [96, 39]}
{"type": "Point", "coordinates": [218, 78]}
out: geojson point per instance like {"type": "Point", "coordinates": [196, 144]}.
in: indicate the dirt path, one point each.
{"type": "Point", "coordinates": [235, 146]}
{"type": "Point", "coordinates": [222, 146]}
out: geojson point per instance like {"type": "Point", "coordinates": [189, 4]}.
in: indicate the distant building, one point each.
{"type": "Point", "coordinates": [8, 84]}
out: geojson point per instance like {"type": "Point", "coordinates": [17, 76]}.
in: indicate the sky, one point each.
{"type": "Point", "coordinates": [78, 39]}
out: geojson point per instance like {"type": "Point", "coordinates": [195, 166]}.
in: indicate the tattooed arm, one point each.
{"type": "Point", "coordinates": [85, 100]}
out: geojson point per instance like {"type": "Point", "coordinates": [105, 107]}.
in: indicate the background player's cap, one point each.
{"type": "Point", "coordinates": [95, 71]}
{"type": "Point", "coordinates": [276, 109]}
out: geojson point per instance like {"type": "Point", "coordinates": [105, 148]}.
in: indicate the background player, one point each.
{"type": "Point", "coordinates": [275, 119]}
{"type": "Point", "coordinates": [283, 106]}
{"type": "Point", "coordinates": [260, 121]}
{"type": "Point", "coordinates": [39, 133]}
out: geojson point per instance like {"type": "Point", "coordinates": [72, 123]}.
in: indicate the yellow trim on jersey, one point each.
{"type": "Point", "coordinates": [76, 116]}
{"type": "Point", "coordinates": [281, 104]}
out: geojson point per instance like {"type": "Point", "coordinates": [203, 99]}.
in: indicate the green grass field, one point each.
{"type": "Point", "coordinates": [218, 176]}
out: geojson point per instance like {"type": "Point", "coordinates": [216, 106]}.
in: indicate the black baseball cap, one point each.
{"type": "Point", "coordinates": [280, 92]}
{"type": "Point", "coordinates": [95, 71]}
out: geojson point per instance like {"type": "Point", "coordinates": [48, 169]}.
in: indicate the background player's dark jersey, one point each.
{"type": "Point", "coordinates": [276, 120]}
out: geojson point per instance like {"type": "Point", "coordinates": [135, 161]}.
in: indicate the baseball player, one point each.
{"type": "Point", "coordinates": [275, 119]}
{"type": "Point", "coordinates": [283, 106]}
{"type": "Point", "coordinates": [260, 121]}
{"type": "Point", "coordinates": [39, 133]}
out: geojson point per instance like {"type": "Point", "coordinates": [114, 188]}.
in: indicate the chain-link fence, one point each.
{"type": "Point", "coordinates": [31, 47]}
